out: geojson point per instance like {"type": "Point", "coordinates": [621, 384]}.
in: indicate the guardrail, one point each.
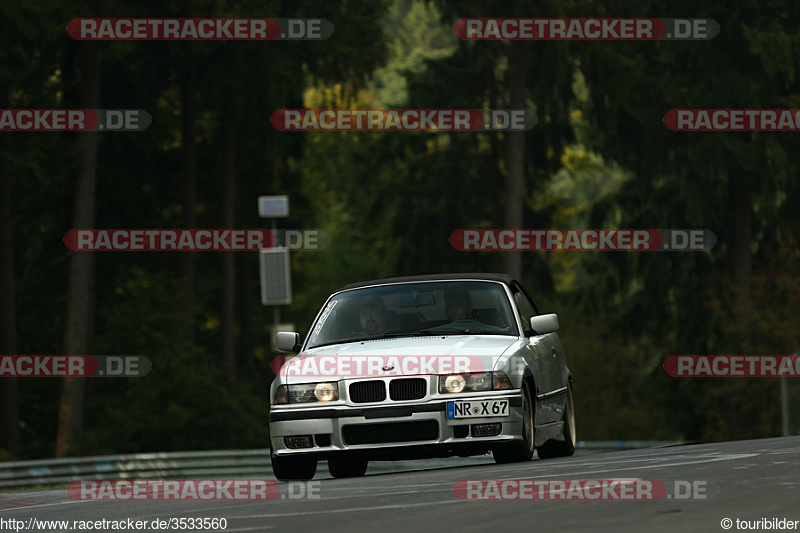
{"type": "Point", "coordinates": [177, 465]}
{"type": "Point", "coordinates": [183, 465]}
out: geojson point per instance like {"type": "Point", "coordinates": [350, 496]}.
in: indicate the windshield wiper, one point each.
{"type": "Point", "coordinates": [393, 334]}
{"type": "Point", "coordinates": [423, 333]}
{"type": "Point", "coordinates": [445, 331]}
{"type": "Point", "coordinates": [344, 341]}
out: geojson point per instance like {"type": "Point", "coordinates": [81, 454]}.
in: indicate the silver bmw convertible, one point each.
{"type": "Point", "coordinates": [421, 367]}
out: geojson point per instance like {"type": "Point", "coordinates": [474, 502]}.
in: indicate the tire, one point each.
{"type": "Point", "coordinates": [347, 466]}
{"type": "Point", "coordinates": [565, 448]}
{"type": "Point", "coordinates": [520, 450]}
{"type": "Point", "coordinates": [293, 468]}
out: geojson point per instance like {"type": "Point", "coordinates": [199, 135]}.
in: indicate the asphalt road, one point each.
{"type": "Point", "coordinates": [746, 480]}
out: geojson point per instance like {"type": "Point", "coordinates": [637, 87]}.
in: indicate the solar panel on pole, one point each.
{"type": "Point", "coordinates": [276, 277]}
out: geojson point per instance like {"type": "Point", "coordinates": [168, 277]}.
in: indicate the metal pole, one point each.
{"type": "Point", "coordinates": [276, 309]}
{"type": "Point", "coordinates": [785, 406]}
{"type": "Point", "coordinates": [785, 401]}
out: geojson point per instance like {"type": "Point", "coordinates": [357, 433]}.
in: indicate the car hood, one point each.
{"type": "Point", "coordinates": [405, 356]}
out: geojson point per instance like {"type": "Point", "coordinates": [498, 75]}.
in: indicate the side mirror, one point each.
{"type": "Point", "coordinates": [542, 324]}
{"type": "Point", "coordinates": [287, 341]}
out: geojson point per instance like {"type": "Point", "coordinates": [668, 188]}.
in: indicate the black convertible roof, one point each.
{"type": "Point", "coordinates": [503, 278]}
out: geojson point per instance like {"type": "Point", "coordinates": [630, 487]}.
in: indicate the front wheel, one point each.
{"type": "Point", "coordinates": [520, 450]}
{"type": "Point", "coordinates": [293, 468]}
{"type": "Point", "coordinates": [565, 448]}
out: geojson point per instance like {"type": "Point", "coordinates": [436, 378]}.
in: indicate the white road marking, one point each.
{"type": "Point", "coordinates": [352, 510]}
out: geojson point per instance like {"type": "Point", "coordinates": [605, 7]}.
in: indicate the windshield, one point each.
{"type": "Point", "coordinates": [410, 309]}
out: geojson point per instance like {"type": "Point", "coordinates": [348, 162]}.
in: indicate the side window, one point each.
{"type": "Point", "coordinates": [526, 310]}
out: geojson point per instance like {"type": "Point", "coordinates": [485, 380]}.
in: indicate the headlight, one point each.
{"type": "Point", "coordinates": [483, 381]}
{"type": "Point", "coordinates": [451, 383]}
{"type": "Point", "coordinates": [307, 392]}
{"type": "Point", "coordinates": [325, 392]}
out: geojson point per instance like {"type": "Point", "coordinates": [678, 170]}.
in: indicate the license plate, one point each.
{"type": "Point", "coordinates": [477, 408]}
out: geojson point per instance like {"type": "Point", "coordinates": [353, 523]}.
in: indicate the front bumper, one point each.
{"type": "Point", "coordinates": [393, 430]}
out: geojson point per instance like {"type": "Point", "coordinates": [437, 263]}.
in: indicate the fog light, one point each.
{"type": "Point", "coordinates": [299, 441]}
{"type": "Point", "coordinates": [486, 430]}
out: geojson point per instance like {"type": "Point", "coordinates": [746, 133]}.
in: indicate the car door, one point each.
{"type": "Point", "coordinates": [546, 355]}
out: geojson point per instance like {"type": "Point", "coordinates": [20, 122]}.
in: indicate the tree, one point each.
{"type": "Point", "coordinates": [28, 77]}
{"type": "Point", "coordinates": [80, 284]}
{"type": "Point", "coordinates": [8, 308]}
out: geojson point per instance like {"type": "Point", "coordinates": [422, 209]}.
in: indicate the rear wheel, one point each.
{"type": "Point", "coordinates": [347, 466]}
{"type": "Point", "coordinates": [565, 448]}
{"type": "Point", "coordinates": [293, 468]}
{"type": "Point", "coordinates": [520, 450]}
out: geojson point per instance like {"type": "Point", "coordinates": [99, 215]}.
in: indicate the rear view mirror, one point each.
{"type": "Point", "coordinates": [418, 300]}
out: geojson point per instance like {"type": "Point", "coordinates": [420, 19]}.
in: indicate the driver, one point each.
{"type": "Point", "coordinates": [458, 305]}
{"type": "Point", "coordinates": [374, 316]}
